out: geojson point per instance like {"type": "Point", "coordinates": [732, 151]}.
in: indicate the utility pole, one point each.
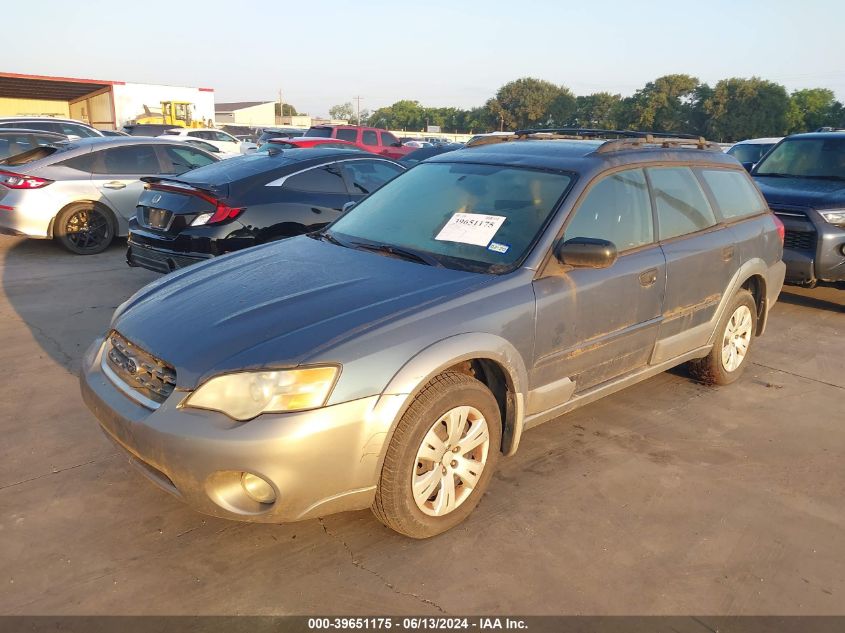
{"type": "Point", "coordinates": [281, 107]}
{"type": "Point", "coordinates": [358, 110]}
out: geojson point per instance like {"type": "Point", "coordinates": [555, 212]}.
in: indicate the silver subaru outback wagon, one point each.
{"type": "Point", "coordinates": [391, 359]}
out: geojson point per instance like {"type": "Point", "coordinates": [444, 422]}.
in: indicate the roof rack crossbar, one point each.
{"type": "Point", "coordinates": [619, 145]}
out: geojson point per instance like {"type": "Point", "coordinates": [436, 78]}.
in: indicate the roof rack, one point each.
{"type": "Point", "coordinates": [617, 140]}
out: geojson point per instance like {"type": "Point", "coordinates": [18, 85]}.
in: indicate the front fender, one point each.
{"type": "Point", "coordinates": [432, 360]}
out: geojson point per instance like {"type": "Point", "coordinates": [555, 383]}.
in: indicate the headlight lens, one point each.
{"type": "Point", "coordinates": [834, 216]}
{"type": "Point", "coordinates": [244, 395]}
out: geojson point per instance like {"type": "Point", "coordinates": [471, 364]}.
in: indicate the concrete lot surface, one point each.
{"type": "Point", "coordinates": [667, 498]}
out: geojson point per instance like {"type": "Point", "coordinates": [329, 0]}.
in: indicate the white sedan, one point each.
{"type": "Point", "coordinates": [221, 140]}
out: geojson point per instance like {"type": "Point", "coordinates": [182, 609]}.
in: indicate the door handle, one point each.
{"type": "Point", "coordinates": [648, 278]}
{"type": "Point", "coordinates": [728, 253]}
{"type": "Point", "coordinates": [114, 184]}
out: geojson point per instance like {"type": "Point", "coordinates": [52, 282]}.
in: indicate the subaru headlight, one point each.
{"type": "Point", "coordinates": [834, 216]}
{"type": "Point", "coordinates": [244, 395]}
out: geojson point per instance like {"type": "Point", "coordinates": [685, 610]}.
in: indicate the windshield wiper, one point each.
{"type": "Point", "coordinates": [399, 251]}
{"type": "Point", "coordinates": [326, 236]}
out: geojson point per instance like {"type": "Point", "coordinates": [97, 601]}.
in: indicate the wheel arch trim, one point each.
{"type": "Point", "coordinates": [439, 356]}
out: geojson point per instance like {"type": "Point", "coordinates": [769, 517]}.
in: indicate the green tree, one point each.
{"type": "Point", "coordinates": [286, 110]}
{"type": "Point", "coordinates": [599, 110]}
{"type": "Point", "coordinates": [748, 108]}
{"type": "Point", "coordinates": [662, 105]}
{"type": "Point", "coordinates": [342, 111]}
{"type": "Point", "coordinates": [814, 108]}
{"type": "Point", "coordinates": [530, 102]}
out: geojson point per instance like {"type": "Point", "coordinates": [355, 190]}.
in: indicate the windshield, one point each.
{"type": "Point", "coordinates": [475, 217]}
{"type": "Point", "coordinates": [813, 157]}
{"type": "Point", "coordinates": [749, 152]}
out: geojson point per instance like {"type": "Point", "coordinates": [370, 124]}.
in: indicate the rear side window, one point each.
{"type": "Point", "coordinates": [681, 204]}
{"type": "Point", "coordinates": [84, 163]}
{"type": "Point", "coordinates": [319, 180]}
{"type": "Point", "coordinates": [733, 192]}
{"type": "Point", "coordinates": [347, 134]}
{"type": "Point", "coordinates": [184, 159]}
{"type": "Point", "coordinates": [387, 139]}
{"type": "Point", "coordinates": [370, 137]}
{"type": "Point", "coordinates": [368, 175]}
{"type": "Point", "coordinates": [617, 209]}
{"type": "Point", "coordinates": [134, 160]}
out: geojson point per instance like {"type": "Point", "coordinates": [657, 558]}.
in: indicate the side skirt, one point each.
{"type": "Point", "coordinates": [605, 389]}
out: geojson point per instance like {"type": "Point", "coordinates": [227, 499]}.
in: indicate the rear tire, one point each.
{"type": "Point", "coordinates": [440, 458]}
{"type": "Point", "coordinates": [734, 336]}
{"type": "Point", "coordinates": [85, 228]}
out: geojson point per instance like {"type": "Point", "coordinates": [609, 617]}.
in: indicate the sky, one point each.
{"type": "Point", "coordinates": [438, 52]}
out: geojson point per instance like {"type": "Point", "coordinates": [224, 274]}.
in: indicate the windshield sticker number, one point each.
{"type": "Point", "coordinates": [471, 228]}
{"type": "Point", "coordinates": [496, 247]}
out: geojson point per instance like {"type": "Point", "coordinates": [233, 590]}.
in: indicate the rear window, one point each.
{"type": "Point", "coordinates": [734, 193]}
{"type": "Point", "coordinates": [239, 167]}
{"type": "Point", "coordinates": [322, 132]}
{"type": "Point", "coordinates": [319, 180]}
{"type": "Point", "coordinates": [749, 152]}
{"type": "Point", "coordinates": [35, 154]}
{"type": "Point", "coordinates": [681, 204]}
{"type": "Point", "coordinates": [347, 134]}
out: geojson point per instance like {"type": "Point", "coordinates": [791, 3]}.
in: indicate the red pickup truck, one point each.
{"type": "Point", "coordinates": [371, 139]}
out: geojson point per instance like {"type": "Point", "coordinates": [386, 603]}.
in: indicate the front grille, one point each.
{"type": "Point", "coordinates": [800, 240]}
{"type": "Point", "coordinates": [152, 379]}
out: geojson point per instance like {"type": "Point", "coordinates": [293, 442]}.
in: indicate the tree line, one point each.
{"type": "Point", "coordinates": [731, 110]}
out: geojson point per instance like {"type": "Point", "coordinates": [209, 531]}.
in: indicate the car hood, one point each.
{"type": "Point", "coordinates": [802, 192]}
{"type": "Point", "coordinates": [274, 305]}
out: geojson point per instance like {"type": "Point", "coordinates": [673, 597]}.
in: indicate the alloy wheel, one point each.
{"type": "Point", "coordinates": [87, 229]}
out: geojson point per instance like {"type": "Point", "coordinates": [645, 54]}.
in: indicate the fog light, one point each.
{"type": "Point", "coordinates": [257, 489]}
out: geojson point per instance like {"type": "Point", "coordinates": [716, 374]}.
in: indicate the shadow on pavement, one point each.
{"type": "Point", "coordinates": [65, 300]}
{"type": "Point", "coordinates": [818, 298]}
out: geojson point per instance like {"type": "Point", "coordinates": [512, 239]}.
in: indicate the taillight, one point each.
{"type": "Point", "coordinates": [780, 227]}
{"type": "Point", "coordinates": [224, 212]}
{"type": "Point", "coordinates": [18, 181]}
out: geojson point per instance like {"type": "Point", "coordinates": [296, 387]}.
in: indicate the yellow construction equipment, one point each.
{"type": "Point", "coordinates": [175, 113]}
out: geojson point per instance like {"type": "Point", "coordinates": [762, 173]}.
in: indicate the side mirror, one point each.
{"type": "Point", "coordinates": [586, 252]}
{"type": "Point", "coordinates": [347, 207]}
{"type": "Point", "coordinates": [396, 144]}
{"type": "Point", "coordinates": [748, 166]}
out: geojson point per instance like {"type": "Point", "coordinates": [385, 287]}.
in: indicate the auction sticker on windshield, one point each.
{"type": "Point", "coordinates": [471, 228]}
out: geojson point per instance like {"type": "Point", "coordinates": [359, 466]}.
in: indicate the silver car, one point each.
{"type": "Point", "coordinates": [392, 358]}
{"type": "Point", "coordinates": [83, 192]}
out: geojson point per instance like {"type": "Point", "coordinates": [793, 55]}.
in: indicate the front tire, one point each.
{"type": "Point", "coordinates": [734, 336]}
{"type": "Point", "coordinates": [85, 229]}
{"type": "Point", "coordinates": [440, 458]}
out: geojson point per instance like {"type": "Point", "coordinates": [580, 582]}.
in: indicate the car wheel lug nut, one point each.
{"type": "Point", "coordinates": [454, 463]}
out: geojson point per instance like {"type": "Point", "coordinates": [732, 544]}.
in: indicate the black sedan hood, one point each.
{"type": "Point", "coordinates": [273, 305]}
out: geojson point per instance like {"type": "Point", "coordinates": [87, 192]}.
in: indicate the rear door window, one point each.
{"type": "Point", "coordinates": [734, 193]}
{"type": "Point", "coordinates": [347, 134]}
{"type": "Point", "coordinates": [370, 137]}
{"type": "Point", "coordinates": [681, 204]}
{"type": "Point", "coordinates": [132, 160]}
{"type": "Point", "coordinates": [318, 180]}
{"type": "Point", "coordinates": [388, 140]}
{"type": "Point", "coordinates": [365, 176]}
{"type": "Point", "coordinates": [617, 209]}
{"type": "Point", "coordinates": [182, 159]}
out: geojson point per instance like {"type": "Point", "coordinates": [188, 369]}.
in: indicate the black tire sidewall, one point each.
{"type": "Point", "coordinates": [414, 521]}
{"type": "Point", "coordinates": [721, 375]}
{"type": "Point", "coordinates": [61, 228]}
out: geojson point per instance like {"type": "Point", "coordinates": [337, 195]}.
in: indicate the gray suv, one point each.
{"type": "Point", "coordinates": [391, 359]}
